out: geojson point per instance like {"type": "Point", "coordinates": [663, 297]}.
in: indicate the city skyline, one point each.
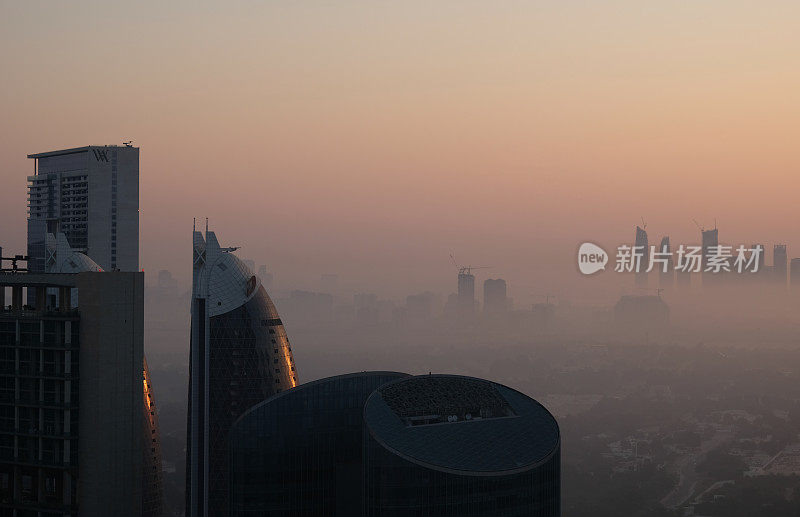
{"type": "Point", "coordinates": [478, 194]}
{"type": "Point", "coordinates": [550, 130]}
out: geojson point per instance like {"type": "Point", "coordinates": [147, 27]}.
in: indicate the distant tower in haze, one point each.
{"type": "Point", "coordinates": [665, 278]}
{"type": "Point", "coordinates": [710, 240]}
{"type": "Point", "coordinates": [495, 300]}
{"type": "Point", "coordinates": [642, 249]}
{"type": "Point", "coordinates": [794, 273]}
{"type": "Point", "coordinates": [762, 260]}
{"type": "Point", "coordinates": [419, 307]}
{"type": "Point", "coordinates": [267, 279]}
{"type": "Point", "coordinates": [239, 356]}
{"type": "Point", "coordinates": [466, 292]}
{"type": "Point", "coordinates": [779, 263]}
{"type": "Point", "coordinates": [329, 283]}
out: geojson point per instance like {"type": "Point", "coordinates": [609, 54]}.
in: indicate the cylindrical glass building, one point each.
{"type": "Point", "coordinates": [299, 452]}
{"type": "Point", "coordinates": [452, 445]}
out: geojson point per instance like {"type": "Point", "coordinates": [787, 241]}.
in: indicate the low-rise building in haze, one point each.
{"type": "Point", "coordinates": [641, 313]}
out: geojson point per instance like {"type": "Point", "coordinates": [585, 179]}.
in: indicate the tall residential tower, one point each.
{"type": "Point", "coordinates": [91, 195]}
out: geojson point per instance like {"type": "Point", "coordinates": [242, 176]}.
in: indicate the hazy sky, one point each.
{"type": "Point", "coordinates": [371, 139]}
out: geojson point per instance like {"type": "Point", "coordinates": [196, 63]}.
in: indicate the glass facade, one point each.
{"type": "Point", "coordinates": [299, 453]}
{"type": "Point", "coordinates": [398, 487]}
{"type": "Point", "coordinates": [321, 449]}
{"type": "Point", "coordinates": [455, 445]}
{"type": "Point", "coordinates": [249, 360]}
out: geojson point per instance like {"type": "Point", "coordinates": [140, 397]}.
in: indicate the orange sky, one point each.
{"type": "Point", "coordinates": [372, 139]}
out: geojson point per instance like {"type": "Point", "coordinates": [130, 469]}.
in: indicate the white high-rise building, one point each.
{"type": "Point", "coordinates": [91, 195]}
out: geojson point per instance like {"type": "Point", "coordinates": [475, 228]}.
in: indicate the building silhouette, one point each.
{"type": "Point", "coordinates": [71, 419]}
{"type": "Point", "coordinates": [710, 240]}
{"type": "Point", "coordinates": [267, 279]}
{"type": "Point", "coordinates": [779, 263]}
{"type": "Point", "coordinates": [385, 443]}
{"type": "Point", "coordinates": [641, 313]}
{"type": "Point", "coordinates": [466, 293]}
{"type": "Point", "coordinates": [495, 299]}
{"type": "Point", "coordinates": [543, 315]}
{"type": "Point", "coordinates": [453, 445]}
{"type": "Point", "coordinates": [762, 271]}
{"type": "Point", "coordinates": [239, 356]}
{"type": "Point", "coordinates": [794, 273]}
{"type": "Point", "coordinates": [419, 307]}
{"type": "Point", "coordinates": [642, 248]}
{"type": "Point", "coordinates": [666, 278]}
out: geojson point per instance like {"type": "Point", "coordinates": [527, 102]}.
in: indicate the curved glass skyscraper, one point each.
{"type": "Point", "coordinates": [389, 444]}
{"type": "Point", "coordinates": [240, 355]}
{"type": "Point", "coordinates": [300, 452]}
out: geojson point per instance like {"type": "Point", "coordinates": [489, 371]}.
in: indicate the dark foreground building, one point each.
{"type": "Point", "coordinates": [71, 419]}
{"type": "Point", "coordinates": [299, 452]}
{"type": "Point", "coordinates": [384, 443]}
{"type": "Point", "coordinates": [452, 445]}
{"type": "Point", "coordinates": [152, 474]}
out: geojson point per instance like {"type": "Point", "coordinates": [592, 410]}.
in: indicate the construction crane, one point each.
{"type": "Point", "coordinates": [644, 224]}
{"type": "Point", "coordinates": [465, 270]}
{"type": "Point", "coordinates": [702, 229]}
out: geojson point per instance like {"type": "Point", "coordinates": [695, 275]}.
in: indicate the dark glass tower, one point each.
{"type": "Point", "coordinates": [239, 356]}
{"type": "Point", "coordinates": [300, 452]}
{"type": "Point", "coordinates": [385, 443]}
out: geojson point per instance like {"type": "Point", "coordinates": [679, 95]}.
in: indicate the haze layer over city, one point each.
{"type": "Point", "coordinates": [365, 156]}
